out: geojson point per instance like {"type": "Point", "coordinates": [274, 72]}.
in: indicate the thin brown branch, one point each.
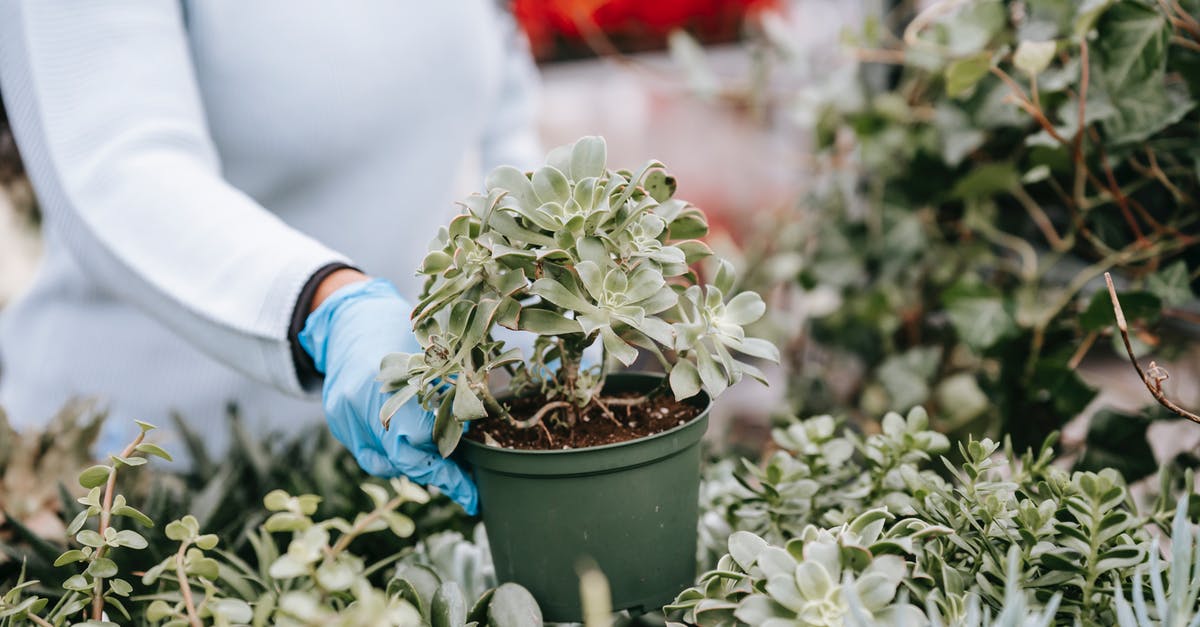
{"type": "Point", "coordinates": [1182, 314]}
{"type": "Point", "coordinates": [1077, 216]}
{"type": "Point", "coordinates": [628, 402]}
{"type": "Point", "coordinates": [605, 410]}
{"type": "Point", "coordinates": [362, 523]}
{"type": "Point", "coordinates": [1154, 171]}
{"type": "Point", "coordinates": [1114, 190]}
{"type": "Point", "coordinates": [1130, 254]}
{"type": "Point", "coordinates": [1179, 17]}
{"type": "Point", "coordinates": [1027, 268]}
{"type": "Point", "coordinates": [185, 588]}
{"type": "Point", "coordinates": [1185, 42]}
{"type": "Point", "coordinates": [928, 15]}
{"type": "Point", "coordinates": [1084, 79]}
{"type": "Point", "coordinates": [1023, 101]}
{"type": "Point", "coordinates": [546, 430]}
{"type": "Point", "coordinates": [541, 413]}
{"type": "Point", "coordinates": [879, 55]}
{"type": "Point", "coordinates": [1117, 193]}
{"type": "Point", "coordinates": [39, 620]}
{"type": "Point", "coordinates": [1083, 349]}
{"type": "Point", "coordinates": [1190, 24]}
{"type": "Point", "coordinates": [1120, 197]}
{"type": "Point", "coordinates": [1039, 217]}
{"type": "Point", "coordinates": [1153, 380]}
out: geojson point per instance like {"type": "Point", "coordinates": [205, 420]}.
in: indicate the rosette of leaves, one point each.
{"type": "Point", "coordinates": [575, 254]}
{"type": "Point", "coordinates": [455, 557]}
{"type": "Point", "coordinates": [442, 602]}
{"type": "Point", "coordinates": [758, 583]}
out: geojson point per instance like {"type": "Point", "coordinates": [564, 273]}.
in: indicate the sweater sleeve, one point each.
{"type": "Point", "coordinates": [511, 137]}
{"type": "Point", "coordinates": [103, 101]}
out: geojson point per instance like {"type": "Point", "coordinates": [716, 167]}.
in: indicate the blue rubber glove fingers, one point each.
{"type": "Point", "coordinates": [347, 336]}
{"type": "Point", "coordinates": [408, 442]}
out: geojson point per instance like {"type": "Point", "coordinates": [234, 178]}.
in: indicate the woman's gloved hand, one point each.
{"type": "Point", "coordinates": [347, 336]}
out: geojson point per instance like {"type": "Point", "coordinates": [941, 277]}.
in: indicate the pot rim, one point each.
{"type": "Point", "coordinates": [633, 376]}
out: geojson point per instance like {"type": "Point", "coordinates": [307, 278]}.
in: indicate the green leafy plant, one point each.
{"type": "Point", "coordinates": [443, 603]}
{"type": "Point", "coordinates": [1175, 604]}
{"type": "Point", "coordinates": [315, 578]}
{"type": "Point", "coordinates": [223, 492]}
{"type": "Point", "coordinates": [759, 584]}
{"type": "Point", "coordinates": [575, 254]}
{"type": "Point", "coordinates": [1067, 535]}
{"type": "Point", "coordinates": [978, 166]}
{"type": "Point", "coordinates": [98, 585]}
{"type": "Point", "coordinates": [1017, 610]}
{"type": "Point", "coordinates": [823, 475]}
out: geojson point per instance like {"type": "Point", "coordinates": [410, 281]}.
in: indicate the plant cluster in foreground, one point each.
{"type": "Point", "coordinates": [836, 524]}
{"type": "Point", "coordinates": [315, 577]}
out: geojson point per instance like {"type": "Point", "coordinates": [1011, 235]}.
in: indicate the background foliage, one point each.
{"type": "Point", "coordinates": [961, 216]}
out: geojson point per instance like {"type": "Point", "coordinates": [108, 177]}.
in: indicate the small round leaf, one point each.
{"type": "Point", "coordinates": [95, 476]}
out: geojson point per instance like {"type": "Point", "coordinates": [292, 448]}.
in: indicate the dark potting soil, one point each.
{"type": "Point", "coordinates": [594, 427]}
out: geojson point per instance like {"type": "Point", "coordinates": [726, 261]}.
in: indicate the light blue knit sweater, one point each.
{"type": "Point", "coordinates": [196, 162]}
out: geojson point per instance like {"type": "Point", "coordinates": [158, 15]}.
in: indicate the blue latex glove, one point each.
{"type": "Point", "coordinates": [347, 337]}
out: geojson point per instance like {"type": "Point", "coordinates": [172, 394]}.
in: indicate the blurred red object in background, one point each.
{"type": "Point", "coordinates": [561, 29]}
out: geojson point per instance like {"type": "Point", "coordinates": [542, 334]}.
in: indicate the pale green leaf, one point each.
{"type": "Point", "coordinates": [446, 430]}
{"type": "Point", "coordinates": [588, 157]}
{"type": "Point", "coordinates": [962, 75]}
{"type": "Point", "coordinates": [513, 606]}
{"type": "Point", "coordinates": [74, 555]}
{"type": "Point", "coordinates": [449, 608]}
{"type": "Point", "coordinates": [551, 185]}
{"type": "Point", "coordinates": [685, 380]}
{"type": "Point", "coordinates": [87, 537]}
{"type": "Point", "coordinates": [94, 476]}
{"type": "Point", "coordinates": [131, 539]}
{"type": "Point", "coordinates": [467, 405]}
{"type": "Point", "coordinates": [558, 294]}
{"type": "Point", "coordinates": [546, 322]}
{"type": "Point", "coordinates": [745, 308]}
{"type": "Point", "coordinates": [102, 567]}
{"type": "Point", "coordinates": [617, 347]}
{"type": "Point", "coordinates": [515, 183]}
{"type": "Point", "coordinates": [153, 449]}
{"type": "Point", "coordinates": [1032, 57]}
{"type": "Point", "coordinates": [714, 378]}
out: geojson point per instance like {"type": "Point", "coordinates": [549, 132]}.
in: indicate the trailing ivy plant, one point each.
{"type": "Point", "coordinates": [576, 254]}
{"type": "Point", "coordinates": [1068, 535]}
{"type": "Point", "coordinates": [963, 210]}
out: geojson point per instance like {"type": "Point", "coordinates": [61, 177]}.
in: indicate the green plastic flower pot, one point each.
{"type": "Point", "coordinates": [630, 507]}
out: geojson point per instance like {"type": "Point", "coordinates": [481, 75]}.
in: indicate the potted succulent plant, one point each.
{"type": "Point", "coordinates": [574, 460]}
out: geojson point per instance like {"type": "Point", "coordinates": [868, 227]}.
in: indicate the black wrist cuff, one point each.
{"type": "Point", "coordinates": [306, 370]}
